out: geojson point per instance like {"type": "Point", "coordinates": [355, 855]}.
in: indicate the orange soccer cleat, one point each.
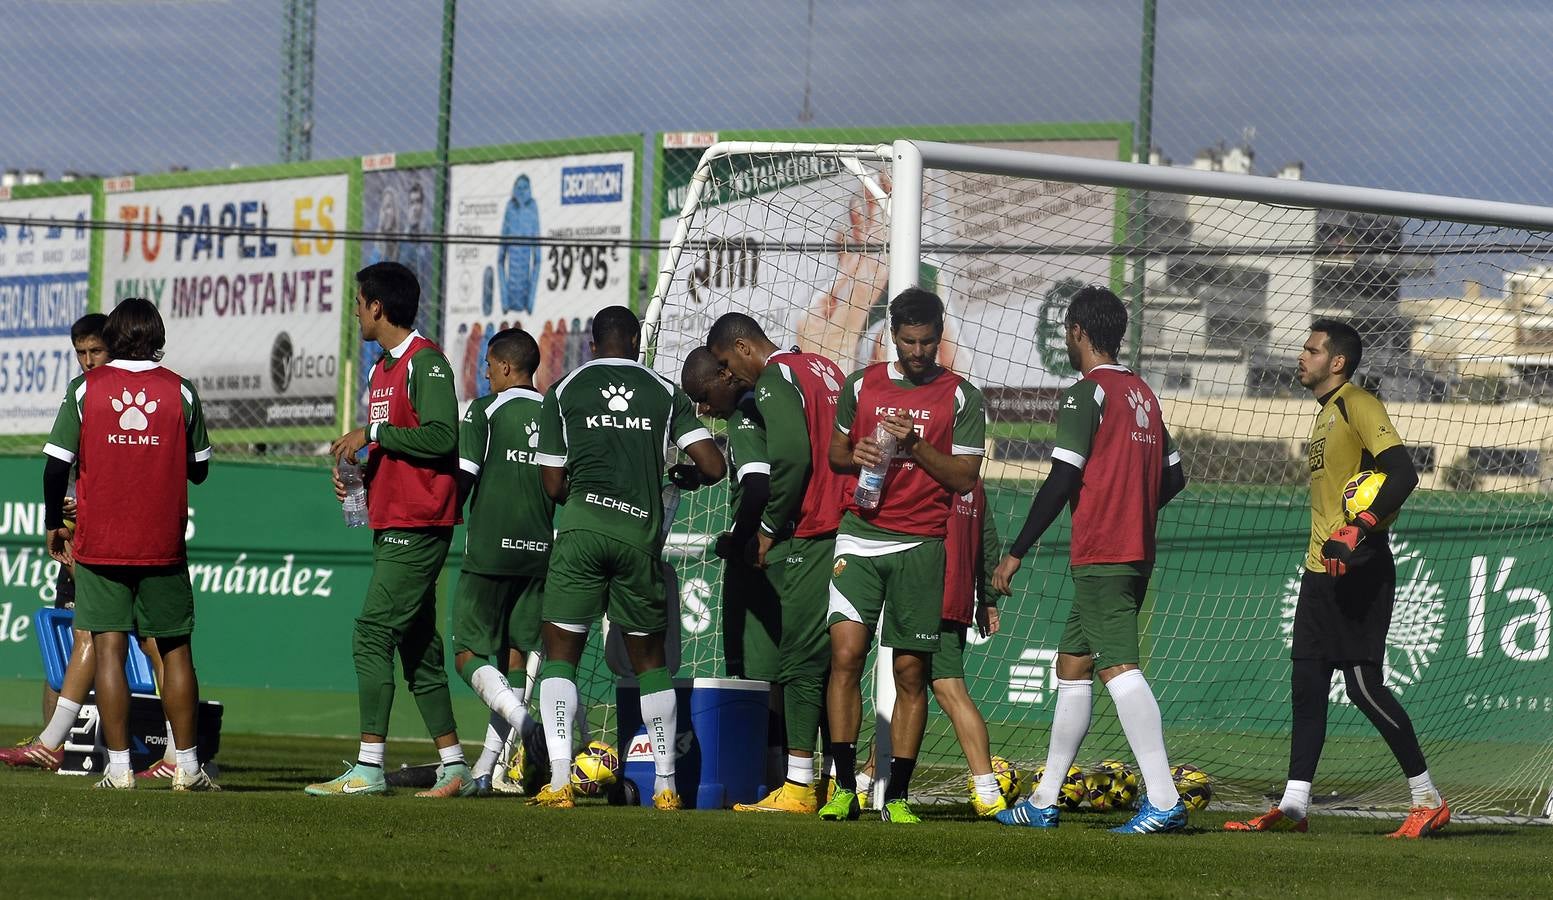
{"type": "Point", "coordinates": [1423, 821]}
{"type": "Point", "coordinates": [1272, 820]}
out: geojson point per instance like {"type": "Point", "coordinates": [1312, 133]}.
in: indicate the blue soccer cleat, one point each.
{"type": "Point", "coordinates": [1029, 815]}
{"type": "Point", "coordinates": [1153, 820]}
{"type": "Point", "coordinates": [482, 786]}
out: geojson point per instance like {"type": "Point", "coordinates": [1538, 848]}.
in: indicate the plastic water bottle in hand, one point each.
{"type": "Point", "coordinates": [870, 482]}
{"type": "Point", "coordinates": [355, 503]}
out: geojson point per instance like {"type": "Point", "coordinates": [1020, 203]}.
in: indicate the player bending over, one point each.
{"type": "Point", "coordinates": [1349, 585]}
{"type": "Point", "coordinates": [603, 433]}
{"type": "Point", "coordinates": [1115, 465]}
{"type": "Point", "coordinates": [506, 550]}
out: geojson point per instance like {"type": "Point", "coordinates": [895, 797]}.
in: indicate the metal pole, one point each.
{"type": "Point", "coordinates": [440, 191]}
{"type": "Point", "coordinates": [1143, 149]}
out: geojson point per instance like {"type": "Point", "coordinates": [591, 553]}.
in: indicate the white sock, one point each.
{"type": "Point", "coordinates": [1070, 722]}
{"type": "Point", "coordinates": [65, 712]}
{"type": "Point", "coordinates": [865, 785]}
{"type": "Point", "coordinates": [496, 732]}
{"type": "Point", "coordinates": [118, 762]}
{"type": "Point", "coordinates": [452, 755]}
{"type": "Point", "coordinates": [1424, 793]}
{"type": "Point", "coordinates": [557, 702]}
{"type": "Point", "coordinates": [371, 754]}
{"type": "Point", "coordinates": [497, 694]}
{"type": "Point", "coordinates": [1139, 712]}
{"type": "Point", "coordinates": [660, 713]}
{"type": "Point", "coordinates": [986, 787]}
{"type": "Point", "coordinates": [800, 769]}
{"type": "Point", "coordinates": [1296, 800]}
{"type": "Point", "coordinates": [188, 760]}
{"type": "Point", "coordinates": [170, 754]}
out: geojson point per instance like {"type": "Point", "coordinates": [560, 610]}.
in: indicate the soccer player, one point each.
{"type": "Point", "coordinates": [603, 433]}
{"type": "Point", "coordinates": [1115, 465]}
{"type": "Point", "coordinates": [796, 394]}
{"type": "Point", "coordinates": [970, 555]}
{"type": "Point", "coordinates": [412, 506]}
{"type": "Point", "coordinates": [139, 434]}
{"type": "Point", "coordinates": [886, 555]}
{"type": "Point", "coordinates": [752, 612]}
{"type": "Point", "coordinates": [507, 546]}
{"type": "Point", "coordinates": [1348, 588]}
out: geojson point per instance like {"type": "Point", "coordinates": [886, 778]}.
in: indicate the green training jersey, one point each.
{"type": "Point", "coordinates": [508, 528]}
{"type": "Point", "coordinates": [609, 424]}
{"type": "Point", "coordinates": [746, 448]}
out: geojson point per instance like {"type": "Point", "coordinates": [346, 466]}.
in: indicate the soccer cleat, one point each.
{"type": "Point", "coordinates": [1272, 820]}
{"type": "Point", "coordinates": [1029, 815]}
{"type": "Point", "coordinates": [357, 779]}
{"type": "Point", "coordinates": [987, 810]}
{"type": "Point", "coordinates": [1153, 820]}
{"type": "Point", "coordinates": [124, 782]}
{"type": "Point", "coordinates": [531, 764]}
{"type": "Point", "coordinates": [841, 805]}
{"type": "Point", "coordinates": [32, 754]}
{"type": "Point", "coordinates": [667, 799]}
{"type": "Point", "coordinates": [199, 781]}
{"type": "Point", "coordinates": [482, 786]}
{"type": "Point", "coordinates": [555, 798]}
{"type": "Point", "coordinates": [159, 769]}
{"type": "Point", "coordinates": [452, 781]}
{"type": "Point", "coordinates": [1423, 821]}
{"type": "Point", "coordinates": [789, 798]}
{"type": "Point", "coordinates": [897, 812]}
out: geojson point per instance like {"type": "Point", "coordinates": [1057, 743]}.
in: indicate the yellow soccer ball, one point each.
{"type": "Point", "coordinates": [1360, 492]}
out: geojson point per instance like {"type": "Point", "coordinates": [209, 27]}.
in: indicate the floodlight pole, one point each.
{"type": "Point", "coordinates": [296, 96]}
{"type": "Point", "coordinates": [1143, 151]}
{"type": "Point", "coordinates": [439, 206]}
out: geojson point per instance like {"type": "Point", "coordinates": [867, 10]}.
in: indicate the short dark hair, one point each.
{"type": "Point", "coordinates": [89, 325]}
{"type": "Point", "coordinates": [915, 306]}
{"type": "Point", "coordinates": [615, 327]}
{"type": "Point", "coordinates": [134, 330]}
{"type": "Point", "coordinates": [1342, 340]}
{"type": "Point", "coordinates": [516, 348]}
{"type": "Point", "coordinates": [396, 287]}
{"type": "Point", "coordinates": [700, 370]}
{"type": "Point", "coordinates": [730, 327]}
{"type": "Point", "coordinates": [1102, 315]}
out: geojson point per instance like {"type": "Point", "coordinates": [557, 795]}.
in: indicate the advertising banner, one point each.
{"type": "Point", "coordinates": [554, 267]}
{"type": "Point", "coordinates": [44, 272]}
{"type": "Point", "coordinates": [397, 201]}
{"type": "Point", "coordinates": [800, 243]}
{"type": "Point", "coordinates": [253, 317]}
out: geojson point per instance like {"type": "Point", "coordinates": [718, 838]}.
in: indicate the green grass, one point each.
{"type": "Point", "coordinates": [63, 836]}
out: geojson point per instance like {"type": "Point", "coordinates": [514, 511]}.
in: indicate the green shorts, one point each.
{"type": "Point", "coordinates": [904, 586]}
{"type": "Point", "coordinates": [495, 613]}
{"type": "Point", "coordinates": [592, 574]}
{"type": "Point", "coordinates": [752, 623]}
{"type": "Point", "coordinates": [406, 563]}
{"type": "Point", "coordinates": [1103, 623]}
{"type": "Point", "coordinates": [800, 570]}
{"type": "Point", "coordinates": [949, 661]}
{"type": "Point", "coordinates": [152, 601]}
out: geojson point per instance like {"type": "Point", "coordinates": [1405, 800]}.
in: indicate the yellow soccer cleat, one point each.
{"type": "Point", "coordinates": [789, 798]}
{"type": "Point", "coordinates": [988, 810]}
{"type": "Point", "coordinates": [667, 799]}
{"type": "Point", "coordinates": [554, 798]}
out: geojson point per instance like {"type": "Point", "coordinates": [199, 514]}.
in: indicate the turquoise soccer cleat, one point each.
{"type": "Point", "coordinates": [356, 780]}
{"type": "Point", "coordinates": [1153, 820]}
{"type": "Point", "coordinates": [1028, 815]}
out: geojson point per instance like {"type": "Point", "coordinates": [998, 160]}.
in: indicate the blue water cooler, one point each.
{"type": "Point", "coordinates": [721, 746]}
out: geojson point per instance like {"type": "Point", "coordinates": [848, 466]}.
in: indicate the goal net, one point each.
{"type": "Point", "coordinates": [1224, 274]}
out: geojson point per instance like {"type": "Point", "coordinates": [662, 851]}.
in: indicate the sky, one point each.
{"type": "Point", "coordinates": [1423, 95]}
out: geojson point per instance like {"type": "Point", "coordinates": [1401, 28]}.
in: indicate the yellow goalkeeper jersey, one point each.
{"type": "Point", "coordinates": [1351, 429]}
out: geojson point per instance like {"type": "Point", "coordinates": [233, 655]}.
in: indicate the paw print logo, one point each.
{"type": "Point", "coordinates": [824, 372]}
{"type": "Point", "coordinates": [1141, 407]}
{"type": "Point", "coordinates": [618, 398]}
{"type": "Point", "coordinates": [133, 410]}
{"type": "Point", "coordinates": [532, 430]}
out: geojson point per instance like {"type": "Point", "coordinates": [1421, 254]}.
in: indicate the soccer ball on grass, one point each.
{"type": "Point", "coordinates": [1071, 795]}
{"type": "Point", "coordinates": [1194, 786]}
{"type": "Point", "coordinates": [595, 769]}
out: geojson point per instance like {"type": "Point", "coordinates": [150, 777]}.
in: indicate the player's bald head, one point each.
{"type": "Point", "coordinates": [699, 372]}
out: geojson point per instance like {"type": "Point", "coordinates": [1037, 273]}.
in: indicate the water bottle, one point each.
{"type": "Point", "coordinates": [355, 503]}
{"type": "Point", "coordinates": [671, 494]}
{"type": "Point", "coordinates": [870, 482]}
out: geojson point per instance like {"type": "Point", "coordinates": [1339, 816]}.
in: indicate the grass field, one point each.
{"type": "Point", "coordinates": [263, 832]}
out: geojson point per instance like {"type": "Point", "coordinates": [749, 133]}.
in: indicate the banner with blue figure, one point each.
{"type": "Point", "coordinates": [555, 262]}
{"type": "Point", "coordinates": [396, 206]}
{"type": "Point", "coordinates": [44, 266]}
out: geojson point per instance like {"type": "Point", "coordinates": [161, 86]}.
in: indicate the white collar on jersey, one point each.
{"type": "Point", "coordinates": [134, 365]}
{"type": "Point", "coordinates": [777, 352]}
{"type": "Point", "coordinates": [399, 351]}
{"type": "Point", "coordinates": [519, 390]}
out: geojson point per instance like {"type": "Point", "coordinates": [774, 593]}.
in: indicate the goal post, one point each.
{"type": "Point", "coordinates": [1224, 274]}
